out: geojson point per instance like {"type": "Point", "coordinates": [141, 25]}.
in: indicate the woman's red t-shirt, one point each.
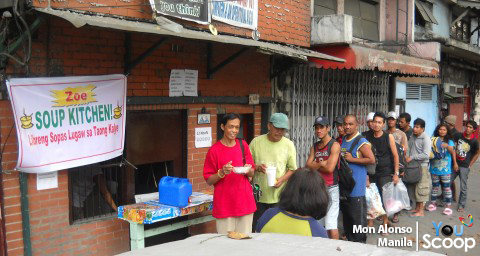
{"type": "Point", "coordinates": [233, 195]}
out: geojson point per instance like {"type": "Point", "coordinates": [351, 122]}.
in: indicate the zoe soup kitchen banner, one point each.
{"type": "Point", "coordinates": [64, 122]}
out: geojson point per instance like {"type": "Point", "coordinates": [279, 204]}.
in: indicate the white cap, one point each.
{"type": "Point", "coordinates": [392, 114]}
{"type": "Point", "coordinates": [370, 116]}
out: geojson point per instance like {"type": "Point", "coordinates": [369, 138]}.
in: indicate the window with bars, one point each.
{"type": "Point", "coordinates": [419, 92]}
{"type": "Point", "coordinates": [324, 7]}
{"type": "Point", "coordinates": [461, 31]}
{"type": "Point", "coordinates": [365, 18]}
{"type": "Point", "coordinates": [95, 190]}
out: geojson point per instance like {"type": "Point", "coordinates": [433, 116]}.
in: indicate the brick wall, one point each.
{"type": "Point", "coordinates": [92, 51]}
{"type": "Point", "coordinates": [284, 21]}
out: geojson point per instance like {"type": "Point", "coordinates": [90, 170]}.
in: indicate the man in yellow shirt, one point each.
{"type": "Point", "coordinates": [272, 150]}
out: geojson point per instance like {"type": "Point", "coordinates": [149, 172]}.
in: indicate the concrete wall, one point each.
{"type": "Point", "coordinates": [391, 20]}
{"type": "Point", "coordinates": [426, 110]}
{"type": "Point", "coordinates": [68, 51]}
{"type": "Point", "coordinates": [442, 14]}
{"type": "Point", "coordinates": [329, 29]}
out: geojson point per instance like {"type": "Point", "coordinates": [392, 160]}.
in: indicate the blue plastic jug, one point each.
{"type": "Point", "coordinates": [174, 191]}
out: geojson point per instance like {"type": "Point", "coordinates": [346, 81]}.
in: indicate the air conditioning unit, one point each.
{"type": "Point", "coordinates": [453, 88]}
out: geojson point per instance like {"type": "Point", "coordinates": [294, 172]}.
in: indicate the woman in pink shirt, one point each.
{"type": "Point", "coordinates": [233, 201]}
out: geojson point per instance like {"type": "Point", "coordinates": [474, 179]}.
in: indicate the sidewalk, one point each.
{"type": "Point", "coordinates": [426, 227]}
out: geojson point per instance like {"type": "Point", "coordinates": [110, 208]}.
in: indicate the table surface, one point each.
{"type": "Point", "coordinates": [268, 244]}
{"type": "Point", "coordinates": [152, 211]}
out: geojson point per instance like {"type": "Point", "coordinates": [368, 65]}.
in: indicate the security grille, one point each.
{"type": "Point", "coordinates": [332, 93]}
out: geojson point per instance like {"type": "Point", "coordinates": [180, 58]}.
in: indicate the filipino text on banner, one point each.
{"type": "Point", "coordinates": [64, 122]}
{"type": "Point", "coordinates": [242, 13]}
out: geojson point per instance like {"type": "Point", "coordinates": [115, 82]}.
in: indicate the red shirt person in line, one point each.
{"type": "Point", "coordinates": [233, 201]}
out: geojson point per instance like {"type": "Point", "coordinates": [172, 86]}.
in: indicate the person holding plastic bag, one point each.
{"type": "Point", "coordinates": [395, 197]}
{"type": "Point", "coordinates": [374, 203]}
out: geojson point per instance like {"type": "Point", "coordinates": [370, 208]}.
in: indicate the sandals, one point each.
{"type": "Point", "coordinates": [460, 210]}
{"type": "Point", "coordinates": [447, 211]}
{"type": "Point", "coordinates": [431, 207]}
{"type": "Point", "coordinates": [395, 218]}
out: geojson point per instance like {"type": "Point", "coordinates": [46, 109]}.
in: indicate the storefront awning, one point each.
{"type": "Point", "coordinates": [79, 20]}
{"type": "Point", "coordinates": [453, 95]}
{"type": "Point", "coordinates": [363, 58]}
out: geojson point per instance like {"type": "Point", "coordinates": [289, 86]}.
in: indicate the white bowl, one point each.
{"type": "Point", "coordinates": [241, 170]}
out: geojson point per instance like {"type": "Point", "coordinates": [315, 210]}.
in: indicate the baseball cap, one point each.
{"type": "Point", "coordinates": [322, 120]}
{"type": "Point", "coordinates": [370, 116]}
{"type": "Point", "coordinates": [451, 119]}
{"type": "Point", "coordinates": [339, 120]}
{"type": "Point", "coordinates": [279, 120]}
{"type": "Point", "coordinates": [392, 114]}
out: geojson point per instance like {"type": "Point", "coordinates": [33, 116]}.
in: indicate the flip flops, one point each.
{"type": "Point", "coordinates": [447, 211]}
{"type": "Point", "coordinates": [431, 207]}
{"type": "Point", "coordinates": [395, 218]}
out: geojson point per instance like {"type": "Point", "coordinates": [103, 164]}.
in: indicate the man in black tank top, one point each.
{"type": "Point", "coordinates": [386, 155]}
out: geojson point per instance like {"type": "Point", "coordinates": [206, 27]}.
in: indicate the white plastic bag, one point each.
{"type": "Point", "coordinates": [374, 202]}
{"type": "Point", "coordinates": [395, 197]}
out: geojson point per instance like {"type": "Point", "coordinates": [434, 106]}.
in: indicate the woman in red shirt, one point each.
{"type": "Point", "coordinates": [233, 201]}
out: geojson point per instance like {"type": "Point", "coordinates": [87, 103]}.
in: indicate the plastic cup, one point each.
{"type": "Point", "coordinates": [271, 176]}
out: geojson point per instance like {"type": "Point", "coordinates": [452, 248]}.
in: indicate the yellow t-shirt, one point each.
{"type": "Point", "coordinates": [282, 154]}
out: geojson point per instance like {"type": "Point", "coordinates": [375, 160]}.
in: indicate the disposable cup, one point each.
{"type": "Point", "coordinates": [271, 175]}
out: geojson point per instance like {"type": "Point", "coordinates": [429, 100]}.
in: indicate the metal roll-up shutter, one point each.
{"type": "Point", "coordinates": [332, 93]}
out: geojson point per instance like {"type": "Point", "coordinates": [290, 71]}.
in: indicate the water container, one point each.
{"type": "Point", "coordinates": [174, 191]}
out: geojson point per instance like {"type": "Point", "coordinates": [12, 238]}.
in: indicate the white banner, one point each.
{"type": "Point", "coordinates": [64, 122]}
{"type": "Point", "coordinates": [242, 13]}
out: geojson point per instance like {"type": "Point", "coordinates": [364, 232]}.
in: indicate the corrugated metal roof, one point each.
{"type": "Point", "coordinates": [79, 20]}
{"type": "Point", "coordinates": [469, 4]}
{"type": "Point", "coordinates": [363, 58]}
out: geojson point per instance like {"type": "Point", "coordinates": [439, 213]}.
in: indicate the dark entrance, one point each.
{"type": "Point", "coordinates": [156, 144]}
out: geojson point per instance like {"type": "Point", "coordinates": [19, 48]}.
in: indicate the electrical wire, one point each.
{"type": "Point", "coordinates": [3, 148]}
{"type": "Point", "coordinates": [28, 53]}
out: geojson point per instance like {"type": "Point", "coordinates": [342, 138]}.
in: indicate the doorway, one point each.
{"type": "Point", "coordinates": [156, 143]}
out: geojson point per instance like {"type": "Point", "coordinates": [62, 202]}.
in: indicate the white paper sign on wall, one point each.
{"type": "Point", "coordinates": [203, 137]}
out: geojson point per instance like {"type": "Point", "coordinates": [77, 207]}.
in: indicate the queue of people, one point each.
{"type": "Point", "coordinates": [307, 201]}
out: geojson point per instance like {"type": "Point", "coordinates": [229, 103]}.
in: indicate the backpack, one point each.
{"type": "Point", "coordinates": [437, 152]}
{"type": "Point", "coordinates": [346, 182]}
{"type": "Point", "coordinates": [402, 161]}
{"type": "Point", "coordinates": [372, 167]}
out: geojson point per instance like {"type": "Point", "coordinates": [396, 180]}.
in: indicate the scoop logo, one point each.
{"type": "Point", "coordinates": [447, 231]}
{"type": "Point", "coordinates": [471, 220]}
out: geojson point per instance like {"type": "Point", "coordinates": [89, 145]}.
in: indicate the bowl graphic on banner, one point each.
{"type": "Point", "coordinates": [26, 121]}
{"type": "Point", "coordinates": [117, 112]}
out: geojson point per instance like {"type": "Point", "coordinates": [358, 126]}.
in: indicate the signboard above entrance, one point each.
{"type": "Point", "coordinates": [193, 10]}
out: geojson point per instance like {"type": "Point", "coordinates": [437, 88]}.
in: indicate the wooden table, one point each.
{"type": "Point", "coordinates": [140, 214]}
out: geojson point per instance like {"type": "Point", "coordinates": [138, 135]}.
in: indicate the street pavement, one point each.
{"type": "Point", "coordinates": [425, 225]}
